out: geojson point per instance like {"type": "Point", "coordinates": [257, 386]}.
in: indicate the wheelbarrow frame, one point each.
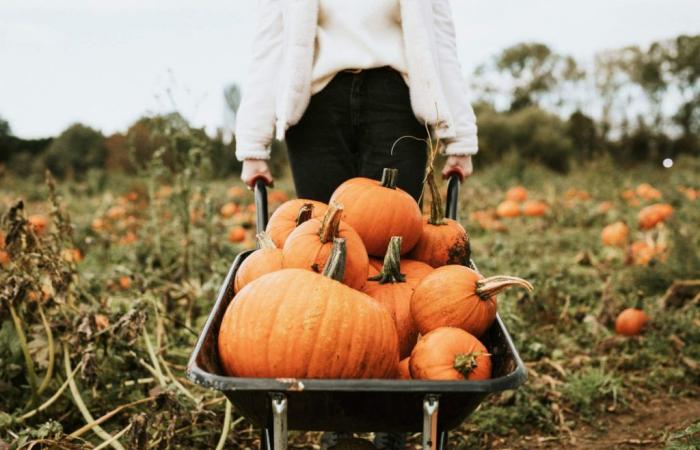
{"type": "Point", "coordinates": [276, 405]}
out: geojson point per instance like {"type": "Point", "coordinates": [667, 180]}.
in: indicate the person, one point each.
{"type": "Point", "coordinates": [341, 81]}
{"type": "Point", "coordinates": [354, 87]}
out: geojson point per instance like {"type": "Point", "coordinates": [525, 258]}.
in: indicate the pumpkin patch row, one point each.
{"type": "Point", "coordinates": [315, 300]}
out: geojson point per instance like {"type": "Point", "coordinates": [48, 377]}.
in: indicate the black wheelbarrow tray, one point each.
{"type": "Point", "coordinates": [363, 405]}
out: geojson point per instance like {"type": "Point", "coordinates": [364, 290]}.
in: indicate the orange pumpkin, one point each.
{"type": "Point", "coordinates": [267, 258]}
{"type": "Point", "coordinates": [605, 206]}
{"type": "Point", "coordinates": [378, 210]}
{"type": "Point", "coordinates": [646, 191]}
{"type": "Point", "coordinates": [2, 240]}
{"type": "Point", "coordinates": [443, 241]}
{"type": "Point", "coordinates": [4, 258]}
{"type": "Point", "coordinates": [642, 252]}
{"type": "Point", "coordinates": [393, 287]}
{"type": "Point", "coordinates": [516, 194]}
{"type": "Point", "coordinates": [38, 223]}
{"type": "Point", "coordinates": [508, 208]}
{"type": "Point", "coordinates": [449, 353]}
{"type": "Point", "coordinates": [631, 322]}
{"type": "Point", "coordinates": [228, 210]}
{"type": "Point", "coordinates": [124, 282]}
{"type": "Point", "coordinates": [234, 192]}
{"type": "Point", "coordinates": [299, 324]}
{"type": "Point", "coordinates": [277, 197]}
{"type": "Point", "coordinates": [310, 244]}
{"type": "Point", "coordinates": [652, 215]}
{"type": "Point", "coordinates": [615, 234]}
{"type": "Point", "coordinates": [535, 208]}
{"type": "Point", "coordinates": [291, 214]}
{"type": "Point", "coordinates": [236, 234]}
{"type": "Point", "coordinates": [404, 369]}
{"type": "Point", "coordinates": [457, 296]}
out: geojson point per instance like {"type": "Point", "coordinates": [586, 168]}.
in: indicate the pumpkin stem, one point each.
{"type": "Point", "coordinates": [331, 223]}
{"type": "Point", "coordinates": [391, 270]}
{"type": "Point", "coordinates": [488, 287]}
{"type": "Point", "coordinates": [389, 178]}
{"type": "Point", "coordinates": [437, 213]}
{"type": "Point", "coordinates": [335, 266]}
{"type": "Point", "coordinates": [465, 363]}
{"type": "Point", "coordinates": [305, 213]}
{"type": "Point", "coordinates": [265, 241]}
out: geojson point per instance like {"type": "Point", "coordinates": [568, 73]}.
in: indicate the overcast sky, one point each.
{"type": "Point", "coordinates": [107, 62]}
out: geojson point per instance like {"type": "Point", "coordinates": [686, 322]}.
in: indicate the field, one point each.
{"type": "Point", "coordinates": [101, 309]}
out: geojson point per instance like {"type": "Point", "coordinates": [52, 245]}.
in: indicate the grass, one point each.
{"type": "Point", "coordinates": [132, 340]}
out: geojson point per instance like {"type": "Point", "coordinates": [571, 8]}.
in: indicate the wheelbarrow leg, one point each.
{"type": "Point", "coordinates": [274, 435]}
{"type": "Point", "coordinates": [430, 418]}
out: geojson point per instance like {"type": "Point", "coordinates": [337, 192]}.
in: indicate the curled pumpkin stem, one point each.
{"type": "Point", "coordinates": [331, 223]}
{"type": "Point", "coordinates": [437, 213]}
{"type": "Point", "coordinates": [390, 178]}
{"type": "Point", "coordinates": [305, 213]}
{"type": "Point", "coordinates": [265, 241]}
{"type": "Point", "coordinates": [465, 363]}
{"type": "Point", "coordinates": [391, 270]}
{"type": "Point", "coordinates": [488, 287]}
{"type": "Point", "coordinates": [335, 266]}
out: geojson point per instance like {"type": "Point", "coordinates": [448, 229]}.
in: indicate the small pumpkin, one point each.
{"type": "Point", "coordinates": [309, 246]}
{"type": "Point", "coordinates": [535, 208]}
{"type": "Point", "coordinates": [290, 215]}
{"type": "Point", "coordinates": [457, 296]}
{"type": "Point", "coordinates": [646, 191]}
{"type": "Point", "coordinates": [631, 322]}
{"type": "Point", "coordinates": [267, 258]}
{"type": "Point", "coordinates": [4, 258]}
{"type": "Point", "coordinates": [378, 210]}
{"type": "Point", "coordinates": [448, 353]}
{"type": "Point", "coordinates": [652, 215]}
{"type": "Point", "coordinates": [642, 252]}
{"type": "Point", "coordinates": [615, 234]}
{"type": "Point", "coordinates": [38, 223]}
{"type": "Point", "coordinates": [295, 323]}
{"type": "Point", "coordinates": [393, 286]}
{"type": "Point", "coordinates": [228, 210]}
{"type": "Point", "coordinates": [443, 241]}
{"type": "Point", "coordinates": [404, 369]}
{"type": "Point", "coordinates": [508, 208]}
{"type": "Point", "coordinates": [236, 234]}
{"type": "Point", "coordinates": [516, 194]}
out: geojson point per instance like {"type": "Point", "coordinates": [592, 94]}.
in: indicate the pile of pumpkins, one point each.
{"type": "Point", "coordinates": [315, 300]}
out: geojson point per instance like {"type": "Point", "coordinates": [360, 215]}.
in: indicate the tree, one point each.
{"type": "Point", "coordinates": [76, 150]}
{"type": "Point", "coordinates": [4, 128]}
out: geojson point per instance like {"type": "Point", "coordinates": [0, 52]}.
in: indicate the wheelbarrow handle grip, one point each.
{"type": "Point", "coordinates": [260, 189]}
{"type": "Point", "coordinates": [452, 201]}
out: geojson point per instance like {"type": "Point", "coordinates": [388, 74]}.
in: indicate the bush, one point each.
{"type": "Point", "coordinates": [76, 150]}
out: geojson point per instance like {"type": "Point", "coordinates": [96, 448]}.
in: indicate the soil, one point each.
{"type": "Point", "coordinates": [640, 426]}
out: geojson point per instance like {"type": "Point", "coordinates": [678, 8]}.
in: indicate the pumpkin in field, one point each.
{"type": "Point", "coordinates": [378, 210]}
{"type": "Point", "coordinates": [508, 208]}
{"type": "Point", "coordinates": [615, 234]}
{"type": "Point", "coordinates": [4, 258]}
{"type": "Point", "coordinates": [654, 214]}
{"type": "Point", "coordinates": [449, 353]}
{"type": "Point", "coordinates": [38, 223]}
{"type": "Point", "coordinates": [310, 244]}
{"type": "Point", "coordinates": [642, 252]}
{"type": "Point", "coordinates": [228, 210]}
{"type": "Point", "coordinates": [516, 194]}
{"type": "Point", "coordinates": [295, 323]}
{"type": "Point", "coordinates": [443, 241]}
{"type": "Point", "coordinates": [236, 234]}
{"type": "Point", "coordinates": [235, 192]}
{"type": "Point", "coordinates": [393, 286]}
{"type": "Point", "coordinates": [267, 258]}
{"type": "Point", "coordinates": [630, 322]}
{"type": "Point", "coordinates": [404, 370]}
{"type": "Point", "coordinates": [646, 191]}
{"type": "Point", "coordinates": [534, 208]}
{"type": "Point", "coordinates": [290, 215]}
{"type": "Point", "coordinates": [457, 296]}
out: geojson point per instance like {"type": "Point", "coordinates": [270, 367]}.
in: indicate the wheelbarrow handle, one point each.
{"type": "Point", "coordinates": [452, 201]}
{"type": "Point", "coordinates": [261, 212]}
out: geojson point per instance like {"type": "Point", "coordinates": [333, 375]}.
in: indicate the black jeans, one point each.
{"type": "Point", "coordinates": [348, 131]}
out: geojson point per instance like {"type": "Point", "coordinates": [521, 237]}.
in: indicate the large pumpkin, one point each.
{"type": "Point", "coordinates": [299, 324]}
{"type": "Point", "coordinates": [404, 369]}
{"type": "Point", "coordinates": [448, 353]}
{"type": "Point", "coordinates": [267, 258]}
{"type": "Point", "coordinates": [393, 287]}
{"type": "Point", "coordinates": [615, 234]}
{"type": "Point", "coordinates": [309, 246]}
{"type": "Point", "coordinates": [443, 241]}
{"type": "Point", "coordinates": [457, 296]}
{"type": "Point", "coordinates": [654, 214]}
{"type": "Point", "coordinates": [378, 210]}
{"type": "Point", "coordinates": [291, 214]}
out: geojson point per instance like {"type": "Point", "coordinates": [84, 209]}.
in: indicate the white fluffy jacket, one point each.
{"type": "Point", "coordinates": [279, 84]}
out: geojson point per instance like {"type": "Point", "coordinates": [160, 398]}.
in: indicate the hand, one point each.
{"type": "Point", "coordinates": [254, 169]}
{"type": "Point", "coordinates": [461, 165]}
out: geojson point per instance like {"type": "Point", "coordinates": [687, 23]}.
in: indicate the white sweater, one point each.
{"type": "Point", "coordinates": [357, 34]}
{"type": "Point", "coordinates": [278, 88]}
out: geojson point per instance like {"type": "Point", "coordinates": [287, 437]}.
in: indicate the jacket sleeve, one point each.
{"type": "Point", "coordinates": [454, 85]}
{"type": "Point", "coordinates": [255, 124]}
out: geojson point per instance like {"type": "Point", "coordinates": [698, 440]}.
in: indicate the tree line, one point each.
{"type": "Point", "coordinates": [633, 104]}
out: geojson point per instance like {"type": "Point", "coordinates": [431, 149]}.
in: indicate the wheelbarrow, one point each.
{"type": "Point", "coordinates": [363, 405]}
